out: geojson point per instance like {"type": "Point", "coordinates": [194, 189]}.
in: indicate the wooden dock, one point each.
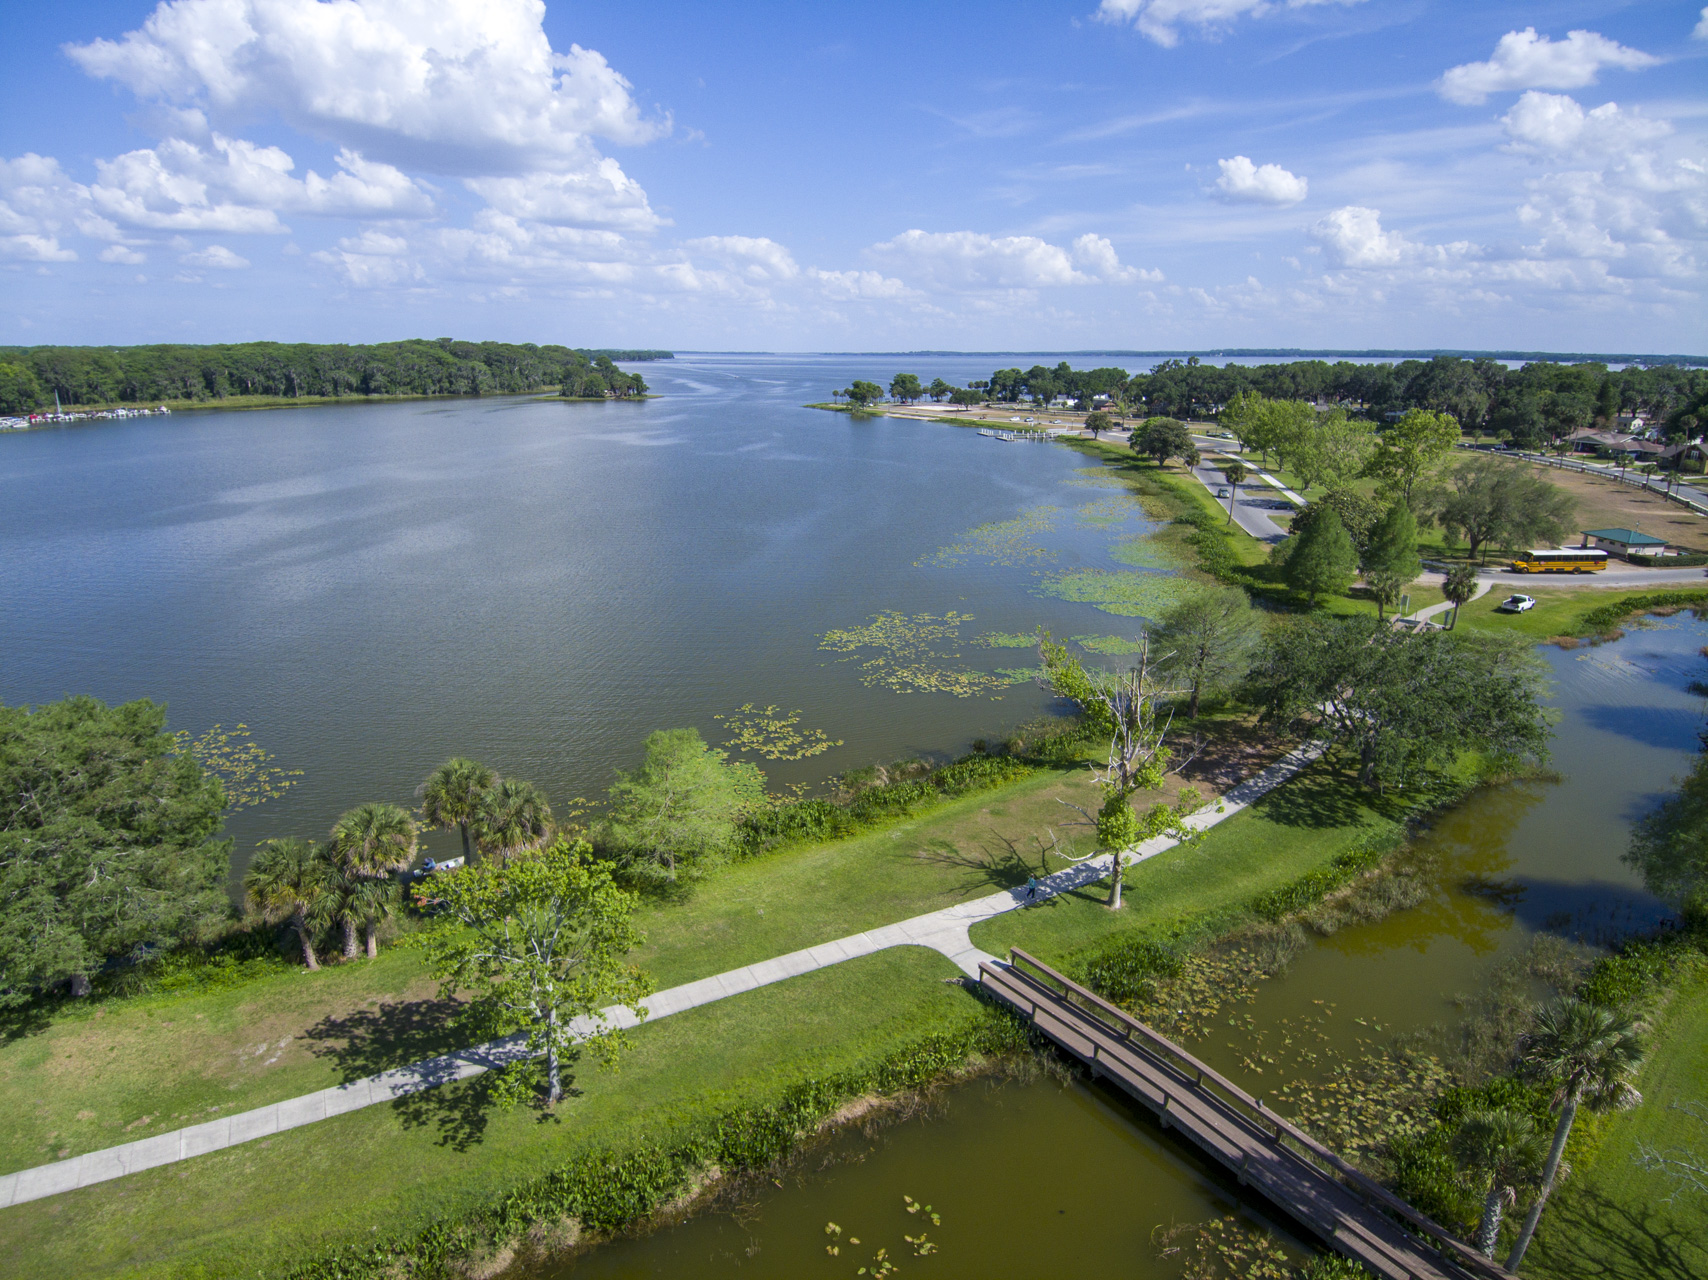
{"type": "Point", "coordinates": [1350, 1212]}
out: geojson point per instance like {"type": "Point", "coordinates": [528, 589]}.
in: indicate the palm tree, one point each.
{"type": "Point", "coordinates": [360, 901]}
{"type": "Point", "coordinates": [369, 843]}
{"type": "Point", "coordinates": [291, 879]}
{"type": "Point", "coordinates": [513, 816]}
{"type": "Point", "coordinates": [451, 795]}
{"type": "Point", "coordinates": [1459, 586]}
{"type": "Point", "coordinates": [374, 840]}
{"type": "Point", "coordinates": [1588, 1053]}
{"type": "Point", "coordinates": [1504, 1150]}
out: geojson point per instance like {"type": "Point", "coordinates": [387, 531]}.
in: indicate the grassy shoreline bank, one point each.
{"type": "Point", "coordinates": [438, 1159]}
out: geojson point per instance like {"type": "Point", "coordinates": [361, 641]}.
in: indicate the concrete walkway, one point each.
{"type": "Point", "coordinates": [943, 931]}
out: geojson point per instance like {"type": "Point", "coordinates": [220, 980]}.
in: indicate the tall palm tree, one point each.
{"type": "Point", "coordinates": [1502, 1148]}
{"type": "Point", "coordinates": [368, 843]}
{"type": "Point", "coordinates": [362, 902]}
{"type": "Point", "coordinates": [513, 817]}
{"type": "Point", "coordinates": [374, 840]}
{"type": "Point", "coordinates": [451, 795]}
{"type": "Point", "coordinates": [1588, 1053]}
{"type": "Point", "coordinates": [1459, 586]}
{"type": "Point", "coordinates": [291, 879]}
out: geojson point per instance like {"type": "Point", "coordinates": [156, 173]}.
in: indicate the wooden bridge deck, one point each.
{"type": "Point", "coordinates": [1354, 1215]}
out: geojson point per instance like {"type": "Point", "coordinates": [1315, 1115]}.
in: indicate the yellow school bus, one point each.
{"type": "Point", "coordinates": [1573, 560]}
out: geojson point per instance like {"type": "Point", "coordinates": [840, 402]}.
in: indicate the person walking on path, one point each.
{"type": "Point", "coordinates": [1031, 888]}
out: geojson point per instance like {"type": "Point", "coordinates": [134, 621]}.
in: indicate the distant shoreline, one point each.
{"type": "Point", "coordinates": [1293, 353]}
{"type": "Point", "coordinates": [543, 394]}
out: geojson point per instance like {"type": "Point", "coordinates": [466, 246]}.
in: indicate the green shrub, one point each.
{"type": "Point", "coordinates": [1668, 562]}
{"type": "Point", "coordinates": [1611, 615]}
{"type": "Point", "coordinates": [1124, 969]}
{"type": "Point", "coordinates": [1633, 972]}
{"type": "Point", "coordinates": [804, 821]}
{"type": "Point", "coordinates": [1312, 887]}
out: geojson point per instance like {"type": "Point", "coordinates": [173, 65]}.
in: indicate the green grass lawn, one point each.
{"type": "Point", "coordinates": [87, 1079]}
{"type": "Point", "coordinates": [1288, 832]}
{"type": "Point", "coordinates": [1615, 1219]}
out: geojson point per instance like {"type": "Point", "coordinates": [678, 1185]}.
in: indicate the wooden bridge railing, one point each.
{"type": "Point", "coordinates": [1201, 1076]}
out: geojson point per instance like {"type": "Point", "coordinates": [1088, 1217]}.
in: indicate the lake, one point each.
{"type": "Point", "coordinates": [373, 588]}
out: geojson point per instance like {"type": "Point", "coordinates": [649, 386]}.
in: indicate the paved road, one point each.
{"type": "Point", "coordinates": [943, 931]}
{"type": "Point", "coordinates": [1252, 503]}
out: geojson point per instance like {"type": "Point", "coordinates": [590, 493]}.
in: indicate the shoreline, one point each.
{"type": "Point", "coordinates": [81, 413]}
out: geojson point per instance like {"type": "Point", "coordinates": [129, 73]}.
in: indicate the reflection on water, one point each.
{"type": "Point", "coordinates": [1029, 1175]}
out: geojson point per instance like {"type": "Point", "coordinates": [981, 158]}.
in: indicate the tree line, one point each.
{"type": "Point", "coordinates": [31, 377]}
{"type": "Point", "coordinates": [1539, 401]}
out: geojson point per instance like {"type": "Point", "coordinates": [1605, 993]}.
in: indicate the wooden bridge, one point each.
{"type": "Point", "coordinates": [1356, 1216]}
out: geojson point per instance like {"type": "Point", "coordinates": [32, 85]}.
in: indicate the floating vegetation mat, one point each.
{"type": "Point", "coordinates": [1148, 552]}
{"type": "Point", "coordinates": [908, 658]}
{"type": "Point", "coordinates": [1106, 513]}
{"type": "Point", "coordinates": [1125, 594]}
{"type": "Point", "coordinates": [1020, 675]}
{"type": "Point", "coordinates": [1098, 478]}
{"type": "Point", "coordinates": [1006, 640]}
{"type": "Point", "coordinates": [1005, 542]}
{"type": "Point", "coordinates": [1108, 644]}
{"type": "Point", "coordinates": [244, 769]}
{"type": "Point", "coordinates": [769, 733]}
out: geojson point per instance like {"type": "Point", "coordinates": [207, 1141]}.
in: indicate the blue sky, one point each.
{"type": "Point", "coordinates": [1134, 174]}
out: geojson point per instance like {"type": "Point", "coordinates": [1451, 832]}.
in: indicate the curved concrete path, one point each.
{"type": "Point", "coordinates": [943, 931]}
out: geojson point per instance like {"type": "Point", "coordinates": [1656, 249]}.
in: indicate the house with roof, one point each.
{"type": "Point", "coordinates": [1591, 440]}
{"type": "Point", "coordinates": [1624, 542]}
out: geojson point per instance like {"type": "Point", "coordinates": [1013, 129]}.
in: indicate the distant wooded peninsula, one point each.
{"type": "Point", "coordinates": [172, 373]}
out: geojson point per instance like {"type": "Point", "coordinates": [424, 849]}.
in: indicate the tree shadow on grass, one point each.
{"type": "Point", "coordinates": [461, 1109]}
{"type": "Point", "coordinates": [380, 1038]}
{"type": "Point", "coordinates": [1325, 795]}
{"type": "Point", "coordinates": [1589, 1235]}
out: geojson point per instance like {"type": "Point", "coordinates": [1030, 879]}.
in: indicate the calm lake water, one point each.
{"type": "Point", "coordinates": [374, 588]}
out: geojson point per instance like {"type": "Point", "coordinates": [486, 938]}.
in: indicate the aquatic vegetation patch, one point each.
{"type": "Point", "coordinates": [907, 658]}
{"type": "Point", "coordinates": [1148, 552]}
{"type": "Point", "coordinates": [1020, 675]}
{"type": "Point", "coordinates": [770, 733]}
{"type": "Point", "coordinates": [1098, 478]}
{"type": "Point", "coordinates": [1121, 592]}
{"type": "Point", "coordinates": [1106, 513]}
{"type": "Point", "coordinates": [1006, 640]}
{"type": "Point", "coordinates": [1112, 645]}
{"type": "Point", "coordinates": [1012, 543]}
{"type": "Point", "coordinates": [244, 769]}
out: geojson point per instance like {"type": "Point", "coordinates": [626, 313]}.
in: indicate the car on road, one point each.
{"type": "Point", "coordinates": [1222, 492]}
{"type": "Point", "coordinates": [1516, 604]}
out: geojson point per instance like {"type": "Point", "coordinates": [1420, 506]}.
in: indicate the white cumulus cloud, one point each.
{"type": "Point", "coordinates": [466, 87]}
{"type": "Point", "coordinates": [859, 285]}
{"type": "Point", "coordinates": [1525, 60]}
{"type": "Point", "coordinates": [216, 256]}
{"type": "Point", "coordinates": [1353, 236]}
{"type": "Point", "coordinates": [755, 257]}
{"type": "Point", "coordinates": [973, 260]}
{"type": "Point", "coordinates": [1265, 184]}
{"type": "Point", "coordinates": [120, 254]}
{"type": "Point", "coordinates": [1556, 124]}
{"type": "Point", "coordinates": [1161, 20]}
{"type": "Point", "coordinates": [1701, 31]}
{"type": "Point", "coordinates": [601, 195]}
